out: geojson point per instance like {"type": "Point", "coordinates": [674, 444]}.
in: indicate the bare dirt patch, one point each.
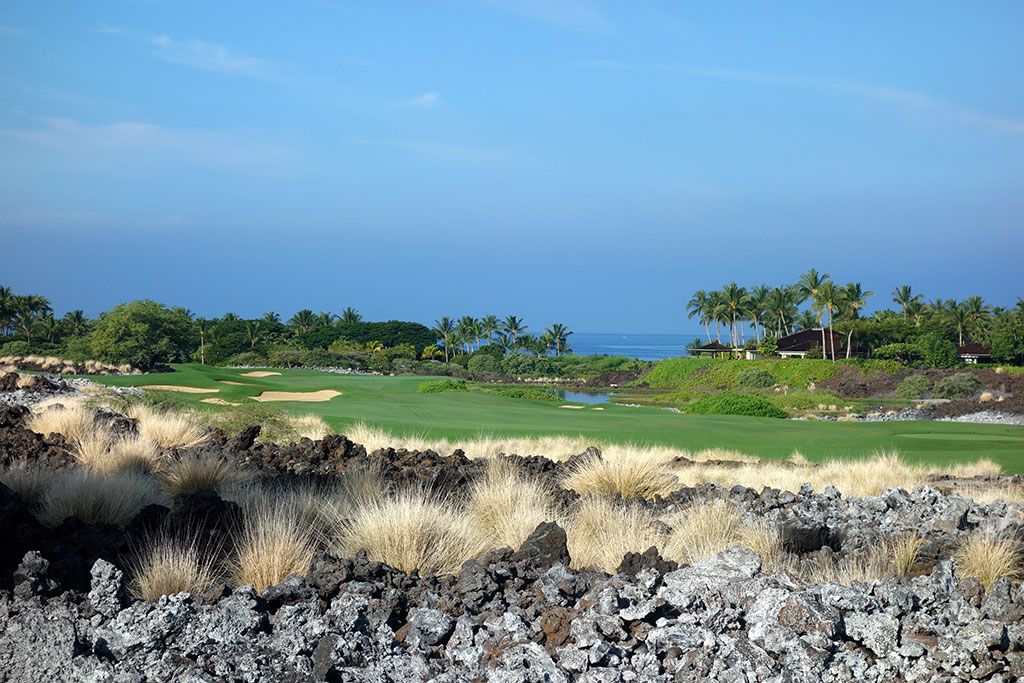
{"type": "Point", "coordinates": [184, 390]}
{"type": "Point", "coordinates": [307, 396]}
{"type": "Point", "coordinates": [219, 402]}
{"type": "Point", "coordinates": [260, 373]}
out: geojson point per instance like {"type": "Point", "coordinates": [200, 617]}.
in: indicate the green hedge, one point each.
{"type": "Point", "coordinates": [443, 386]}
{"type": "Point", "coordinates": [727, 403]}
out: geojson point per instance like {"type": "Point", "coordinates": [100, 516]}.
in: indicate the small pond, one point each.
{"type": "Point", "coordinates": [584, 396]}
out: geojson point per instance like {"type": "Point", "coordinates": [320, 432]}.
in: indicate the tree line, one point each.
{"type": "Point", "coordinates": [816, 301]}
{"type": "Point", "coordinates": [468, 334]}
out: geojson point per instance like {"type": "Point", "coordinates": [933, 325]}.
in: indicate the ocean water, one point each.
{"type": "Point", "coordinates": [642, 346]}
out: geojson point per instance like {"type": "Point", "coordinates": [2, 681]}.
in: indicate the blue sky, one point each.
{"type": "Point", "coordinates": [566, 160]}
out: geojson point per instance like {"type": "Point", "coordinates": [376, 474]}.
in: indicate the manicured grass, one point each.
{"type": "Point", "coordinates": [715, 373]}
{"type": "Point", "coordinates": [395, 404]}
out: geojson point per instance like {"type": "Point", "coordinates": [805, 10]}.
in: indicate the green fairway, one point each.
{"type": "Point", "coordinates": [394, 404]}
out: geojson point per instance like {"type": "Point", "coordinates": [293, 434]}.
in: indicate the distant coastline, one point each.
{"type": "Point", "coordinates": [642, 346]}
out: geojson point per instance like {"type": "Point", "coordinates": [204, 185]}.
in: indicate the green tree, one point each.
{"type": "Point", "coordinates": [143, 333]}
{"type": "Point", "coordinates": [854, 299]}
{"type": "Point", "coordinates": [303, 321]}
{"type": "Point", "coordinates": [904, 297]}
{"type": "Point", "coordinates": [701, 305]}
{"type": "Point", "coordinates": [75, 323]}
{"type": "Point", "coordinates": [809, 286]}
{"type": "Point", "coordinates": [735, 299]}
{"type": "Point", "coordinates": [513, 326]}
{"type": "Point", "coordinates": [351, 315]}
{"type": "Point", "coordinates": [445, 331]}
{"type": "Point", "coordinates": [559, 336]}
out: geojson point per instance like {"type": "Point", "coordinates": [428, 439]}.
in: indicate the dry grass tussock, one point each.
{"type": "Point", "coordinates": [273, 545]}
{"type": "Point", "coordinates": [101, 452]}
{"type": "Point", "coordinates": [706, 529]}
{"type": "Point", "coordinates": [30, 482]}
{"type": "Point", "coordinates": [96, 497]}
{"type": "Point", "coordinates": [601, 531]}
{"type": "Point", "coordinates": [989, 557]}
{"type": "Point", "coordinates": [892, 557]}
{"type": "Point", "coordinates": [74, 421]}
{"type": "Point", "coordinates": [556, 448]}
{"type": "Point", "coordinates": [167, 429]}
{"type": "Point", "coordinates": [505, 507]}
{"type": "Point", "coordinates": [410, 530]}
{"type": "Point", "coordinates": [201, 472]}
{"type": "Point", "coordinates": [632, 473]}
{"type": "Point", "coordinates": [166, 565]}
{"type": "Point", "coordinates": [863, 477]}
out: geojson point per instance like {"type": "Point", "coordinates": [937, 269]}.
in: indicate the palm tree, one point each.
{"type": "Point", "coordinates": [488, 326]}
{"type": "Point", "coordinates": [700, 305]}
{"type": "Point", "coordinates": [513, 326]}
{"type": "Point", "coordinates": [445, 331]}
{"type": "Point", "coordinates": [350, 316]}
{"type": "Point", "coordinates": [781, 305]}
{"type": "Point", "coordinates": [830, 298]}
{"type": "Point", "coordinates": [809, 287]}
{"type": "Point", "coordinates": [467, 331]}
{"type": "Point", "coordinates": [324, 319]}
{"type": "Point", "coordinates": [961, 319]}
{"type": "Point", "coordinates": [252, 331]}
{"type": "Point", "coordinates": [757, 304]}
{"type": "Point", "coordinates": [271, 317]}
{"type": "Point", "coordinates": [230, 318]}
{"type": "Point", "coordinates": [76, 323]}
{"type": "Point", "coordinates": [734, 298]}
{"type": "Point", "coordinates": [559, 335]}
{"type": "Point", "coordinates": [904, 297]}
{"type": "Point", "coordinates": [201, 324]}
{"type": "Point", "coordinates": [49, 327]}
{"type": "Point", "coordinates": [303, 321]}
{"type": "Point", "coordinates": [7, 308]}
{"type": "Point", "coordinates": [854, 299]}
{"type": "Point", "coordinates": [978, 312]}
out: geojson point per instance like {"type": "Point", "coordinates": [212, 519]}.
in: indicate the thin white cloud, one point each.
{"type": "Point", "coordinates": [132, 141]}
{"type": "Point", "coordinates": [567, 12]}
{"type": "Point", "coordinates": [427, 100]}
{"type": "Point", "coordinates": [9, 30]}
{"type": "Point", "coordinates": [897, 96]}
{"type": "Point", "coordinates": [197, 53]}
{"type": "Point", "coordinates": [210, 56]}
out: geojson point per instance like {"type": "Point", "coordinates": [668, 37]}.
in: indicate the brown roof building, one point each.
{"type": "Point", "coordinates": [799, 344]}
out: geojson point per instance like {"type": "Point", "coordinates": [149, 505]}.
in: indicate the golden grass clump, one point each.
{"type": "Point", "coordinates": [97, 497]}
{"type": "Point", "coordinates": [167, 429]}
{"type": "Point", "coordinates": [273, 545]}
{"type": "Point", "coordinates": [989, 557]}
{"type": "Point", "coordinates": [100, 451]}
{"type": "Point", "coordinates": [30, 482]}
{"type": "Point", "coordinates": [410, 531]}
{"type": "Point", "coordinates": [630, 472]}
{"type": "Point", "coordinates": [167, 565]}
{"type": "Point", "coordinates": [702, 530]}
{"type": "Point", "coordinates": [600, 532]}
{"type": "Point", "coordinates": [196, 472]}
{"type": "Point", "coordinates": [903, 552]}
{"type": "Point", "coordinates": [505, 507]}
{"type": "Point", "coordinates": [73, 421]}
{"type": "Point", "coordinates": [874, 565]}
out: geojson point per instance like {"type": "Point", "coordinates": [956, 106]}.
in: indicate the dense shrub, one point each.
{"type": "Point", "coordinates": [904, 352]}
{"type": "Point", "coordinates": [484, 364]}
{"type": "Point", "coordinates": [523, 392]}
{"type": "Point", "coordinates": [444, 385]}
{"type": "Point", "coordinates": [960, 385]}
{"type": "Point", "coordinates": [143, 333]}
{"type": "Point", "coordinates": [937, 352]}
{"type": "Point", "coordinates": [16, 348]}
{"type": "Point", "coordinates": [726, 403]}
{"type": "Point", "coordinates": [1008, 340]}
{"type": "Point", "coordinates": [755, 378]}
{"type": "Point", "coordinates": [914, 387]}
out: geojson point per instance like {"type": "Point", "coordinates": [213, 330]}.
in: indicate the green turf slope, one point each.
{"type": "Point", "coordinates": [393, 403]}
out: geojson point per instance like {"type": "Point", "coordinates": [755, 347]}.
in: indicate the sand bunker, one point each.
{"type": "Point", "coordinates": [598, 408]}
{"type": "Point", "coordinates": [218, 402]}
{"type": "Point", "coordinates": [572, 407]}
{"type": "Point", "coordinates": [259, 373]}
{"type": "Point", "coordinates": [237, 384]}
{"type": "Point", "coordinates": [184, 390]}
{"type": "Point", "coordinates": [311, 396]}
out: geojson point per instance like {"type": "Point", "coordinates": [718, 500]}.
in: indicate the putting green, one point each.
{"type": "Point", "coordinates": [394, 404]}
